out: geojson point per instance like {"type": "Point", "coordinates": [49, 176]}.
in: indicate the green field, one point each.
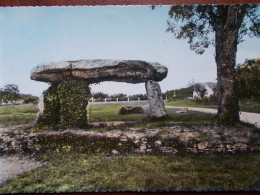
{"type": "Point", "coordinates": [70, 172]}
{"type": "Point", "coordinates": [14, 115]}
{"type": "Point", "coordinates": [246, 106]}
{"type": "Point", "coordinates": [188, 103]}
{"type": "Point", "coordinates": [110, 113]}
{"type": "Point", "coordinates": [84, 168]}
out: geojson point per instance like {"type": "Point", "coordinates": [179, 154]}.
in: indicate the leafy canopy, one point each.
{"type": "Point", "coordinates": [9, 92]}
{"type": "Point", "coordinates": [197, 23]}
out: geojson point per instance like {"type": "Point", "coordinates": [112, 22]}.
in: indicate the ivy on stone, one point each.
{"type": "Point", "coordinates": [65, 105]}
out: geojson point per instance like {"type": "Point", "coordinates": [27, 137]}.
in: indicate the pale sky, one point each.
{"type": "Point", "coordinates": [30, 36]}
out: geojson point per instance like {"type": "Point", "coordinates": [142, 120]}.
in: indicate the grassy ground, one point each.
{"type": "Point", "coordinates": [81, 172]}
{"type": "Point", "coordinates": [22, 115]}
{"type": "Point", "coordinates": [14, 115]}
{"type": "Point", "coordinates": [88, 170]}
{"type": "Point", "coordinates": [246, 106]}
{"type": "Point", "coordinates": [110, 113]}
{"type": "Point", "coordinates": [249, 106]}
{"type": "Point", "coordinates": [189, 103]}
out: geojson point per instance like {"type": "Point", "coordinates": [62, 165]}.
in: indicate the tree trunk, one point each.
{"type": "Point", "coordinates": [226, 41]}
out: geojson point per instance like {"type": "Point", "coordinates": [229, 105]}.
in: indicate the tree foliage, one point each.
{"type": "Point", "coordinates": [179, 94]}
{"type": "Point", "coordinates": [224, 27]}
{"type": "Point", "coordinates": [248, 80]}
{"type": "Point", "coordinates": [100, 95]}
{"type": "Point", "coordinates": [9, 92]}
{"type": "Point", "coordinates": [197, 23]}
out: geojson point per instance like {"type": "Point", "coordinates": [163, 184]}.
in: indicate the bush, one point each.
{"type": "Point", "coordinates": [131, 110]}
{"type": "Point", "coordinates": [248, 80]}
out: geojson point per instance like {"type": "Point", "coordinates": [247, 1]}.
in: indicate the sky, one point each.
{"type": "Point", "coordinates": [30, 36]}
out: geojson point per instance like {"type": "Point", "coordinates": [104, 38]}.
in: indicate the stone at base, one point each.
{"type": "Point", "coordinates": [40, 108]}
{"type": "Point", "coordinates": [157, 108]}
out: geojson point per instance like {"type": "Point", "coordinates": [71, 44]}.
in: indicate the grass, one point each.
{"type": "Point", "coordinates": [23, 115]}
{"type": "Point", "coordinates": [110, 113]}
{"type": "Point", "coordinates": [195, 118]}
{"type": "Point", "coordinates": [77, 164]}
{"type": "Point", "coordinates": [250, 106]}
{"type": "Point", "coordinates": [70, 172]}
{"type": "Point", "coordinates": [245, 105]}
{"type": "Point", "coordinates": [14, 115]}
{"type": "Point", "coordinates": [188, 103]}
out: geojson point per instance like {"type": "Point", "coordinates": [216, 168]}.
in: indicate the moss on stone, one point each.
{"type": "Point", "coordinates": [85, 144]}
{"type": "Point", "coordinates": [73, 103]}
{"type": "Point", "coordinates": [65, 105]}
{"type": "Point", "coordinates": [51, 115]}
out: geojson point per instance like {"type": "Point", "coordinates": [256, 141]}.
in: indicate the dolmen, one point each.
{"type": "Point", "coordinates": [65, 101]}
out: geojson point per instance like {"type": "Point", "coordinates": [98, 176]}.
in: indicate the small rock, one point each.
{"type": "Point", "coordinates": [115, 152]}
{"type": "Point", "coordinates": [203, 145]}
{"type": "Point", "coordinates": [142, 147]}
{"type": "Point", "coordinates": [123, 139]}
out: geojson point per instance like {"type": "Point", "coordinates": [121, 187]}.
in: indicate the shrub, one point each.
{"type": "Point", "coordinates": [131, 110]}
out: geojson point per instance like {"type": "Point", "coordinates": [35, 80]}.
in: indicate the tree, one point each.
{"type": "Point", "coordinates": [229, 23]}
{"type": "Point", "coordinates": [248, 80]}
{"type": "Point", "coordinates": [9, 92]}
{"type": "Point", "coordinates": [100, 95]}
{"type": "Point", "coordinates": [120, 96]}
{"type": "Point", "coordinates": [201, 90]}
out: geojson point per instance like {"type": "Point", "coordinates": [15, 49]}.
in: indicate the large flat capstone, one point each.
{"type": "Point", "coordinates": [95, 71]}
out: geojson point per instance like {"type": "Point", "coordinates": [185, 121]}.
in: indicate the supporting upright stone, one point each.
{"type": "Point", "coordinates": [49, 115]}
{"type": "Point", "coordinates": [40, 108]}
{"type": "Point", "coordinates": [154, 95]}
{"type": "Point", "coordinates": [64, 105]}
{"type": "Point", "coordinates": [73, 97]}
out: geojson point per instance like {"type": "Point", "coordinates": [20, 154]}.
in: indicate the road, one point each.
{"type": "Point", "coordinates": [253, 118]}
{"type": "Point", "coordinates": [125, 103]}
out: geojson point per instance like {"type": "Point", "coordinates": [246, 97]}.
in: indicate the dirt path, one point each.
{"type": "Point", "coordinates": [13, 165]}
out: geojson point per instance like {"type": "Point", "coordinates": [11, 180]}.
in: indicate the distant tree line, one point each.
{"type": "Point", "coordinates": [99, 96]}
{"type": "Point", "coordinates": [11, 93]}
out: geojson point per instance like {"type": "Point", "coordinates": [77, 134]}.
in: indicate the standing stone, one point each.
{"type": "Point", "coordinates": [73, 98]}
{"type": "Point", "coordinates": [157, 108]}
{"type": "Point", "coordinates": [51, 107]}
{"type": "Point", "coordinates": [40, 105]}
{"type": "Point", "coordinates": [40, 108]}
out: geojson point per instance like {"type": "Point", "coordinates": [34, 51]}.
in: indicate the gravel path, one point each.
{"type": "Point", "coordinates": [12, 166]}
